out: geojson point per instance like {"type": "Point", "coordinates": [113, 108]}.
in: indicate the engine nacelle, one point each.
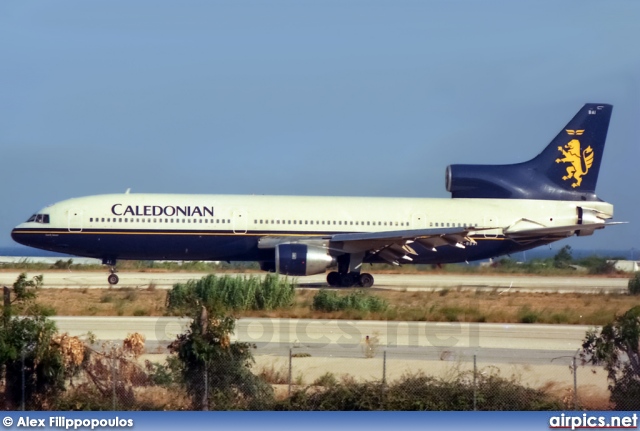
{"type": "Point", "coordinates": [268, 266]}
{"type": "Point", "coordinates": [302, 259]}
{"type": "Point", "coordinates": [487, 181]}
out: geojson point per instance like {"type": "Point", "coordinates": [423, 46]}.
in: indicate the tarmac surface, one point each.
{"type": "Point", "coordinates": [407, 282]}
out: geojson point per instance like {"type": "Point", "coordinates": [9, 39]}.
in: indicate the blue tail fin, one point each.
{"type": "Point", "coordinates": [567, 169]}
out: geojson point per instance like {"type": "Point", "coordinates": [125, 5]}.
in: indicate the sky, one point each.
{"type": "Point", "coordinates": [349, 98]}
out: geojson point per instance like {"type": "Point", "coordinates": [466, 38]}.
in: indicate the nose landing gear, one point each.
{"type": "Point", "coordinates": [112, 278]}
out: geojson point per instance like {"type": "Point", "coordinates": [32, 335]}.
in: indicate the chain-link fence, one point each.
{"type": "Point", "coordinates": [365, 376]}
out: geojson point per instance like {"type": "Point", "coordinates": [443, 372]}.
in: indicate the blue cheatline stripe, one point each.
{"type": "Point", "coordinates": [201, 232]}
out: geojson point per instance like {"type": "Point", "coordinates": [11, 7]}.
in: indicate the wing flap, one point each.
{"type": "Point", "coordinates": [567, 230]}
{"type": "Point", "coordinates": [395, 246]}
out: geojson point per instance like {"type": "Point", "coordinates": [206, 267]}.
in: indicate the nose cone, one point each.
{"type": "Point", "coordinates": [17, 236]}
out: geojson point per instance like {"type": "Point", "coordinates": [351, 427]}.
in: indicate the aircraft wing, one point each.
{"type": "Point", "coordinates": [395, 246]}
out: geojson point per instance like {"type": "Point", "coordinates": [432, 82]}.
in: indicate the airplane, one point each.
{"type": "Point", "coordinates": [494, 210]}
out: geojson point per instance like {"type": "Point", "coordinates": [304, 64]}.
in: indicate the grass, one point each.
{"type": "Point", "coordinates": [465, 306]}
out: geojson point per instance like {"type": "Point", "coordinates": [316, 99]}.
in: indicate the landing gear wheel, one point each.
{"type": "Point", "coordinates": [366, 280]}
{"type": "Point", "coordinates": [113, 279]}
{"type": "Point", "coordinates": [349, 279]}
{"type": "Point", "coordinates": [333, 279]}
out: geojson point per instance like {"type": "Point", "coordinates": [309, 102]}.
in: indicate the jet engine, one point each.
{"type": "Point", "coordinates": [488, 181]}
{"type": "Point", "coordinates": [302, 259]}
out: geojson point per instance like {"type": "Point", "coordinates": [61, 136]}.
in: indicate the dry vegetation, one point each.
{"type": "Point", "coordinates": [443, 305]}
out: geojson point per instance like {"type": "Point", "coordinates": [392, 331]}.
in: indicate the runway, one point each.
{"type": "Point", "coordinates": [407, 282]}
{"type": "Point", "coordinates": [510, 343]}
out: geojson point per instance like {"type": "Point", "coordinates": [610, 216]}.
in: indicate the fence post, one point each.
{"type": "Point", "coordinates": [575, 384]}
{"type": "Point", "coordinates": [22, 403]}
{"type": "Point", "coordinates": [7, 305]}
{"type": "Point", "coordinates": [113, 380]}
{"type": "Point", "coordinates": [475, 384]}
{"type": "Point", "coordinates": [205, 395]}
{"type": "Point", "coordinates": [290, 369]}
{"type": "Point", "coordinates": [384, 367]}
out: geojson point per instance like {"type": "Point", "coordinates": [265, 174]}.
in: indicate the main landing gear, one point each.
{"type": "Point", "coordinates": [349, 279]}
{"type": "Point", "coordinates": [113, 278]}
{"type": "Point", "coordinates": [348, 273]}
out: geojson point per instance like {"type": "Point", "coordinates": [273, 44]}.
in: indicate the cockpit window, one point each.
{"type": "Point", "coordinates": [39, 218]}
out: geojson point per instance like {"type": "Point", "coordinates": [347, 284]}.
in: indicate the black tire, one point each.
{"type": "Point", "coordinates": [333, 279]}
{"type": "Point", "coordinates": [348, 280]}
{"type": "Point", "coordinates": [113, 279]}
{"type": "Point", "coordinates": [366, 280]}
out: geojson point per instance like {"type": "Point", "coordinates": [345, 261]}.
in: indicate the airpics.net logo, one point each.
{"type": "Point", "coordinates": [336, 333]}
{"type": "Point", "coordinates": [587, 421]}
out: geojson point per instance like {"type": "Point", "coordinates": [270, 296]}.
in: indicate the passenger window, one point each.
{"type": "Point", "coordinates": [103, 219]}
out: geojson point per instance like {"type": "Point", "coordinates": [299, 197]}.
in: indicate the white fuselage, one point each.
{"type": "Point", "coordinates": [156, 226]}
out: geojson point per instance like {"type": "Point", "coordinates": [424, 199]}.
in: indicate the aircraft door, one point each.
{"type": "Point", "coordinates": [239, 221]}
{"type": "Point", "coordinates": [75, 220]}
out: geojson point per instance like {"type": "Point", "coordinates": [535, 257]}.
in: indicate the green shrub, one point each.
{"type": "Point", "coordinates": [420, 392]}
{"type": "Point", "coordinates": [634, 284]}
{"type": "Point", "coordinates": [527, 315]}
{"type": "Point", "coordinates": [234, 293]}
{"type": "Point", "coordinates": [329, 300]}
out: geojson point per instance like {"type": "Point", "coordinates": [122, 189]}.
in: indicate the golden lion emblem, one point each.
{"type": "Point", "coordinates": [580, 162]}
